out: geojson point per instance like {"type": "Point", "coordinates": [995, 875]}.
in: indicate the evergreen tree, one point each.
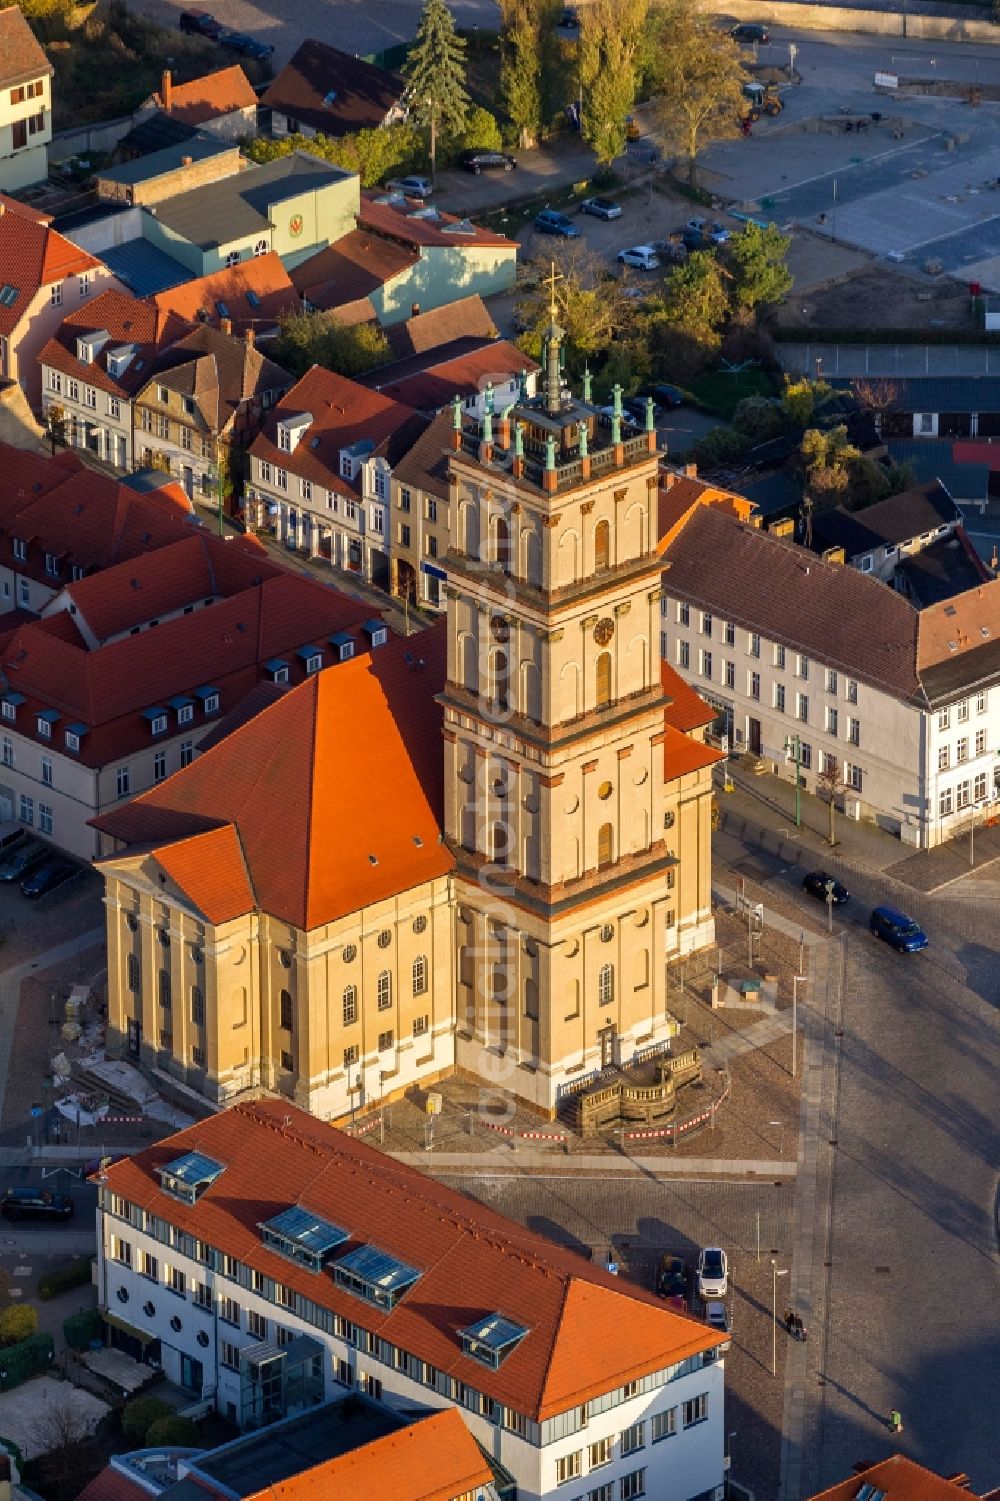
{"type": "Point", "coordinates": [611, 46]}
{"type": "Point", "coordinates": [520, 68]}
{"type": "Point", "coordinates": [435, 75]}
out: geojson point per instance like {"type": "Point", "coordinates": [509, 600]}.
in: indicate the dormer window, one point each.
{"type": "Point", "coordinates": [346, 466]}
{"type": "Point", "coordinates": [187, 1177]}
{"type": "Point", "coordinates": [72, 736]}
{"type": "Point", "coordinates": [291, 431]}
{"type": "Point", "coordinates": [183, 708]}
{"type": "Point", "coordinates": [491, 1340]}
{"type": "Point", "coordinates": [158, 720]}
{"type": "Point", "coordinates": [375, 1276]}
{"type": "Point", "coordinates": [376, 631]}
{"type": "Point", "coordinates": [343, 646]}
{"type": "Point", "coordinates": [52, 565]}
{"type": "Point", "coordinates": [302, 1237]}
{"type": "Point", "coordinates": [209, 698]}
{"type": "Point", "coordinates": [46, 719]}
{"type": "Point", "coordinates": [20, 549]}
{"type": "Point", "coordinates": [277, 670]}
{"type": "Point", "coordinates": [311, 658]}
{"type": "Point", "coordinates": [9, 706]}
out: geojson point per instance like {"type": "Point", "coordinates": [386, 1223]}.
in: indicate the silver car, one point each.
{"type": "Point", "coordinates": [713, 1273]}
{"type": "Point", "coordinates": [412, 187]}
{"type": "Point", "coordinates": [601, 208]}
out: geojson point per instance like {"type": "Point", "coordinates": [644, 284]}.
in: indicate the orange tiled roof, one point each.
{"type": "Point", "coordinates": [255, 293]}
{"type": "Point", "coordinates": [434, 1459]}
{"type": "Point", "coordinates": [210, 869]}
{"type": "Point", "coordinates": [900, 1479]}
{"type": "Point", "coordinates": [15, 206]}
{"type": "Point", "coordinates": [111, 1485]}
{"type": "Point", "coordinates": [682, 755]}
{"type": "Point", "coordinates": [587, 1331]}
{"type": "Point", "coordinates": [33, 255]}
{"type": "Point", "coordinates": [681, 494]}
{"type": "Point", "coordinates": [686, 710]}
{"type": "Point", "coordinates": [126, 320]}
{"type": "Point", "coordinates": [466, 317]}
{"type": "Point", "coordinates": [312, 861]}
{"type": "Point", "coordinates": [402, 220]}
{"type": "Point", "coordinates": [350, 269]}
{"type": "Point", "coordinates": [466, 374]}
{"type": "Point", "coordinates": [213, 94]}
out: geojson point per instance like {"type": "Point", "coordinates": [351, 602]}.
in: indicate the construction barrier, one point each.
{"type": "Point", "coordinates": [678, 1129]}
{"type": "Point", "coordinates": [525, 1135]}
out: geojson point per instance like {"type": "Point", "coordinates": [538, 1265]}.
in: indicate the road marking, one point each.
{"type": "Point", "coordinates": [778, 193]}
{"type": "Point", "coordinates": [22, 1271]}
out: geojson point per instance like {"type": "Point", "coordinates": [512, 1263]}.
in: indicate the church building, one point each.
{"type": "Point", "coordinates": [473, 849]}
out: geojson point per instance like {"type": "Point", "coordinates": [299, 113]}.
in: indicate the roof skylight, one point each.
{"type": "Point", "coordinates": [188, 1177]}
{"type": "Point", "coordinates": [302, 1236]}
{"type": "Point", "coordinates": [491, 1339]}
{"type": "Point", "coordinates": [374, 1275]}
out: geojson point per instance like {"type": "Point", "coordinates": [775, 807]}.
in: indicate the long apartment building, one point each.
{"type": "Point", "coordinates": [267, 1262]}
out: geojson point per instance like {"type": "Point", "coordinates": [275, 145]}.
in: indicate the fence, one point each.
{"type": "Point", "coordinates": [678, 1128]}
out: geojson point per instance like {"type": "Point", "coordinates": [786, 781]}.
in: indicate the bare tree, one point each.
{"type": "Point", "coordinates": [877, 394]}
{"type": "Point", "coordinates": [830, 785]}
{"type": "Point", "coordinates": [61, 1424]}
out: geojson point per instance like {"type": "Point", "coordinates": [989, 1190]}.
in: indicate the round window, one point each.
{"type": "Point", "coordinates": [604, 791]}
{"type": "Point", "coordinates": [350, 953]}
{"type": "Point", "coordinates": [384, 938]}
{"type": "Point", "coordinates": [149, 1309]}
{"type": "Point", "coordinates": [420, 924]}
{"type": "Point", "coordinates": [641, 777]}
{"type": "Point", "coordinates": [131, 921]}
{"type": "Point", "coordinates": [175, 1324]}
{"type": "Point", "coordinates": [122, 1295]}
{"type": "Point", "coordinates": [607, 933]}
{"type": "Point", "coordinates": [669, 818]}
{"type": "Point", "coordinates": [202, 1339]}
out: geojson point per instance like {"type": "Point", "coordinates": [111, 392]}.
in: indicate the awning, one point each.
{"type": "Point", "coordinates": [142, 1335]}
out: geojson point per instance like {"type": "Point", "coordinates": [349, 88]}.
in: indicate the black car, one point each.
{"type": "Point", "coordinates": [487, 161]}
{"type": "Point", "coordinates": [665, 396]}
{"type": "Point", "coordinates": [672, 1278]}
{"type": "Point", "coordinates": [23, 859]}
{"type": "Point", "coordinates": [636, 407]}
{"type": "Point", "coordinates": [248, 46]}
{"type": "Point", "coordinates": [35, 1204]}
{"type": "Point", "coordinates": [569, 20]}
{"type": "Point", "coordinates": [199, 23]}
{"type": "Point", "coordinates": [817, 884]}
{"type": "Point", "coordinates": [751, 31]}
{"type": "Point", "coordinates": [693, 239]}
{"type": "Point", "coordinates": [48, 877]}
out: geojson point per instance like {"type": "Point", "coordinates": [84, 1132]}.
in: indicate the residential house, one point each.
{"type": "Point", "coordinates": [465, 318]}
{"type": "Point", "coordinates": [453, 253]}
{"type": "Point", "coordinates": [820, 671]}
{"type": "Point", "coordinates": [25, 104]}
{"type": "Point", "coordinates": [294, 206]}
{"type": "Point", "coordinates": [352, 277]}
{"type": "Point", "coordinates": [202, 405]}
{"type": "Point", "coordinates": [60, 521]}
{"type": "Point", "coordinates": [419, 517]}
{"type": "Point", "coordinates": [405, 1289]}
{"type": "Point", "coordinates": [899, 1478]}
{"type": "Point", "coordinates": [167, 173]}
{"type": "Point", "coordinates": [43, 277]}
{"type": "Point", "coordinates": [110, 692]}
{"type": "Point", "coordinates": [322, 91]}
{"type": "Point", "coordinates": [254, 295]}
{"type": "Point", "coordinates": [486, 377]}
{"type": "Point", "coordinates": [932, 406]}
{"type": "Point", "coordinates": [223, 103]}
{"type": "Point", "coordinates": [878, 537]}
{"type": "Point", "coordinates": [95, 362]}
{"type": "Point", "coordinates": [322, 469]}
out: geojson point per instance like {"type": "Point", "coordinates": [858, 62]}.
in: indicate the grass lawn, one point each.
{"type": "Point", "coordinates": [720, 393]}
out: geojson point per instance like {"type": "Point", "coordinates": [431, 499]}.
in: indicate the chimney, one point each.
{"type": "Point", "coordinates": [250, 337]}
{"type": "Point", "coordinates": [167, 91]}
{"type": "Point", "coordinates": [186, 161]}
{"type": "Point", "coordinates": [414, 309]}
{"type": "Point", "coordinates": [226, 324]}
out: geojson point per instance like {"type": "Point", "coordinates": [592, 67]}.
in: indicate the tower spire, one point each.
{"type": "Point", "coordinates": [554, 336]}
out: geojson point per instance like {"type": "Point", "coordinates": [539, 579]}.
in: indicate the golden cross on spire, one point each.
{"type": "Point", "coordinates": [553, 277]}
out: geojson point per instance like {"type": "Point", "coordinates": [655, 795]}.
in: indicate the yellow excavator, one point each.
{"type": "Point", "coordinates": [761, 99]}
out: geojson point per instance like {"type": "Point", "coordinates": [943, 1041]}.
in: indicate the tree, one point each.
{"type": "Point", "coordinates": [139, 1415]}
{"type": "Point", "coordinates": [695, 299]}
{"type": "Point", "coordinates": [699, 76]}
{"type": "Point", "coordinates": [830, 785]}
{"type": "Point", "coordinates": [55, 427]}
{"type": "Point", "coordinates": [800, 399]}
{"type": "Point", "coordinates": [17, 1322]}
{"type": "Point", "coordinates": [827, 457]}
{"type": "Point", "coordinates": [521, 68]}
{"type": "Point", "coordinates": [758, 258]}
{"type": "Point", "coordinates": [373, 154]}
{"type": "Point", "coordinates": [610, 48]}
{"type": "Point", "coordinates": [173, 1430]}
{"type": "Point", "coordinates": [759, 418]}
{"type": "Point", "coordinates": [435, 74]}
{"type": "Point", "coordinates": [482, 133]}
{"type": "Point", "coordinates": [876, 394]}
{"type": "Point", "coordinates": [59, 1426]}
{"type": "Point", "coordinates": [308, 339]}
{"type": "Point", "coordinates": [590, 306]}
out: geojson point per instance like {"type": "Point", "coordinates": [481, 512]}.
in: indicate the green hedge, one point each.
{"type": "Point", "coordinates": [82, 1328]}
{"type": "Point", "coordinates": [173, 1430]}
{"type": "Point", "coordinates": [64, 1278]}
{"type": "Point", "coordinates": [141, 1413]}
{"type": "Point", "coordinates": [27, 1358]}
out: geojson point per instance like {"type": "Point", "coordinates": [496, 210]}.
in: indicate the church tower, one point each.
{"type": "Point", "coordinates": [554, 741]}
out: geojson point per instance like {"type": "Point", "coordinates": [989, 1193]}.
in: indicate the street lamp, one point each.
{"type": "Point", "coordinates": [797, 980]}
{"type": "Point", "coordinates": [775, 1274]}
{"type": "Point", "coordinates": [793, 747]}
{"type": "Point", "coordinates": [781, 1136]}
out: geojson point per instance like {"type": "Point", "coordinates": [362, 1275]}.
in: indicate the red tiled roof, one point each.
{"type": "Point", "coordinates": [311, 862]}
{"type": "Point", "coordinates": [112, 1485]}
{"type": "Point", "coordinates": [33, 255]}
{"type": "Point", "coordinates": [464, 375]}
{"type": "Point", "coordinates": [221, 372]}
{"type": "Point", "coordinates": [899, 1479]}
{"type": "Point", "coordinates": [263, 278]}
{"type": "Point", "coordinates": [587, 1331]}
{"type": "Point", "coordinates": [343, 413]}
{"type": "Point", "coordinates": [682, 755]}
{"type": "Point", "coordinates": [400, 220]}
{"type": "Point", "coordinates": [680, 494]}
{"type": "Point", "coordinates": [425, 466]}
{"type": "Point", "coordinates": [433, 1459]}
{"type": "Point", "coordinates": [108, 688]}
{"type": "Point", "coordinates": [350, 269]}
{"type": "Point", "coordinates": [21, 55]}
{"type": "Point", "coordinates": [211, 862]}
{"type": "Point", "coordinates": [686, 710]}
{"type": "Point", "coordinates": [15, 206]}
{"type": "Point", "coordinates": [211, 95]}
{"type": "Point", "coordinates": [127, 320]}
{"type": "Point", "coordinates": [334, 92]}
{"type": "Point", "coordinates": [466, 317]}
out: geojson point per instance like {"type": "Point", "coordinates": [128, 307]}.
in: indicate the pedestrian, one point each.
{"type": "Point", "coordinates": [803, 1332]}
{"type": "Point", "coordinates": [789, 1321]}
{"type": "Point", "coordinates": [797, 1326]}
{"type": "Point", "coordinates": [895, 1421]}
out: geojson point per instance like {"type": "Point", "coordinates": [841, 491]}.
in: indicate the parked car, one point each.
{"type": "Point", "coordinates": [640, 258]}
{"type": "Point", "coordinates": [48, 876]}
{"type": "Point", "coordinates": [897, 930]}
{"type": "Point", "coordinates": [635, 406]}
{"type": "Point", "coordinates": [601, 208]}
{"type": "Point", "coordinates": [664, 395]}
{"type": "Point", "coordinates": [569, 20]}
{"type": "Point", "coordinates": [487, 161]}
{"type": "Point", "coordinates": [632, 131]}
{"type": "Point", "coordinates": [412, 187]}
{"type": "Point", "coordinates": [551, 222]}
{"type": "Point", "coordinates": [627, 419]}
{"type": "Point", "coordinates": [672, 1278]}
{"type": "Point", "coordinates": [243, 42]}
{"type": "Point", "coordinates": [35, 1204]}
{"type": "Point", "coordinates": [713, 1273]}
{"type": "Point", "coordinates": [717, 1316]}
{"type": "Point", "coordinates": [693, 239]}
{"type": "Point", "coordinates": [710, 228]}
{"type": "Point", "coordinates": [816, 883]}
{"type": "Point", "coordinates": [24, 858]}
{"type": "Point", "coordinates": [750, 31]}
{"type": "Point", "coordinates": [199, 23]}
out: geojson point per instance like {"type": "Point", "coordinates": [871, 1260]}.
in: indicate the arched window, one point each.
{"type": "Point", "coordinates": [350, 1004]}
{"type": "Point", "coordinates": [420, 975]}
{"type": "Point", "coordinates": [605, 985]}
{"type": "Point", "coordinates": [383, 990]}
{"type": "Point", "coordinates": [501, 543]}
{"type": "Point", "coordinates": [531, 999]}
{"type": "Point", "coordinates": [285, 1010]}
{"type": "Point", "coordinates": [605, 845]}
{"type": "Point", "coordinates": [602, 545]}
{"type": "Point", "coordinates": [603, 673]}
{"type": "Point", "coordinates": [501, 843]}
{"type": "Point", "coordinates": [500, 679]}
